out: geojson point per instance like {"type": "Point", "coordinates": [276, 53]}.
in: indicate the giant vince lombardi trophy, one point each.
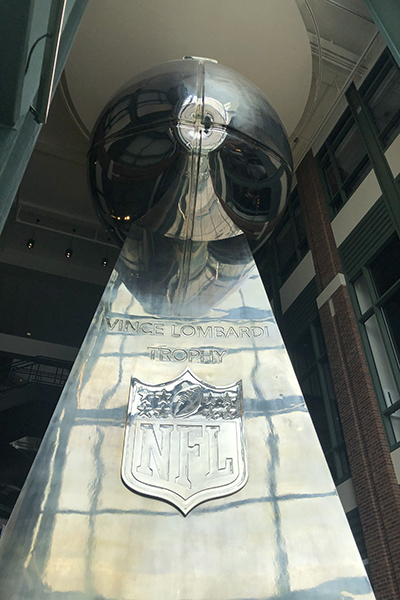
{"type": "Point", "coordinates": [181, 462]}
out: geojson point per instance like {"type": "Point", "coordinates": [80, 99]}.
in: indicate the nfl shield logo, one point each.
{"type": "Point", "coordinates": [184, 441]}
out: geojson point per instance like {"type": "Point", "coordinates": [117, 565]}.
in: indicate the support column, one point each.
{"type": "Point", "coordinates": [375, 484]}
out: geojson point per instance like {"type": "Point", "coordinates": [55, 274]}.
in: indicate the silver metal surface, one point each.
{"type": "Point", "coordinates": [182, 357]}
{"type": "Point", "coordinates": [184, 440]}
{"type": "Point", "coordinates": [78, 532]}
{"type": "Point", "coordinates": [184, 127]}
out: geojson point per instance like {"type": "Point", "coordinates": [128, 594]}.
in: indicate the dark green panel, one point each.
{"type": "Point", "coordinates": [301, 313]}
{"type": "Point", "coordinates": [366, 238]}
{"type": "Point", "coordinates": [16, 144]}
{"type": "Point", "coordinates": [15, 18]}
{"type": "Point", "coordinates": [386, 14]}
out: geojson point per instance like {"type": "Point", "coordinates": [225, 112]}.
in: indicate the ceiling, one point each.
{"type": "Point", "coordinates": [345, 43]}
{"type": "Point", "coordinates": [301, 53]}
{"type": "Point", "coordinates": [265, 40]}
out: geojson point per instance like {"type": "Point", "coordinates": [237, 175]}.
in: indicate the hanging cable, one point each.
{"type": "Point", "coordinates": [42, 37]}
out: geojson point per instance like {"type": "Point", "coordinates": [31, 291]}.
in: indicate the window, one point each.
{"type": "Point", "coordinates": [351, 159]}
{"type": "Point", "coordinates": [382, 98]}
{"type": "Point", "coordinates": [290, 239]}
{"type": "Point", "coordinates": [376, 295]}
{"type": "Point", "coordinates": [343, 158]}
{"type": "Point", "coordinates": [344, 162]}
{"type": "Point", "coordinates": [353, 517]}
{"type": "Point", "coordinates": [312, 369]}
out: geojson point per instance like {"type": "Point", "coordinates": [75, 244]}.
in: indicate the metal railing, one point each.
{"type": "Point", "coordinates": [38, 370]}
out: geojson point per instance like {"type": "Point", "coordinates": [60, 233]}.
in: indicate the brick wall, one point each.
{"type": "Point", "coordinates": [375, 484]}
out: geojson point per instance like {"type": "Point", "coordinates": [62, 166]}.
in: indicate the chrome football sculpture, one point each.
{"type": "Point", "coordinates": [190, 149]}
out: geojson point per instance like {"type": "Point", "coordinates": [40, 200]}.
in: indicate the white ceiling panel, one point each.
{"type": "Point", "coordinates": [265, 40]}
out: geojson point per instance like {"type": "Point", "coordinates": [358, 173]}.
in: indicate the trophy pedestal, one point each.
{"type": "Point", "coordinates": [181, 462]}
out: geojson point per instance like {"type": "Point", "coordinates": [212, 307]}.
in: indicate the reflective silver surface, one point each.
{"type": "Point", "coordinates": [78, 532]}
{"type": "Point", "coordinates": [184, 131]}
{"type": "Point", "coordinates": [183, 391]}
{"type": "Point", "coordinates": [184, 439]}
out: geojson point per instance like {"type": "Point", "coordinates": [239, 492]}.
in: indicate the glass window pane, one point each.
{"type": "Point", "coordinates": [395, 424]}
{"type": "Point", "coordinates": [286, 244]}
{"type": "Point", "coordinates": [332, 403]}
{"type": "Point", "coordinates": [328, 381]}
{"type": "Point", "coordinates": [391, 134]}
{"type": "Point", "coordinates": [331, 178]}
{"type": "Point", "coordinates": [344, 461]}
{"type": "Point", "coordinates": [337, 204]}
{"type": "Point", "coordinates": [334, 465]}
{"type": "Point", "coordinates": [303, 247]}
{"type": "Point", "coordinates": [320, 337]}
{"type": "Point", "coordinates": [304, 355]}
{"type": "Point", "coordinates": [362, 293]}
{"type": "Point", "coordinates": [362, 171]}
{"type": "Point", "coordinates": [355, 523]}
{"type": "Point", "coordinates": [336, 420]}
{"type": "Point", "coordinates": [316, 409]}
{"type": "Point", "coordinates": [392, 315]}
{"type": "Point", "coordinates": [266, 277]}
{"type": "Point", "coordinates": [385, 269]}
{"type": "Point", "coordinates": [313, 385]}
{"type": "Point", "coordinates": [350, 152]}
{"type": "Point", "coordinates": [381, 360]}
{"type": "Point", "coordinates": [385, 102]}
{"type": "Point", "coordinates": [300, 226]}
{"type": "Point", "coordinates": [288, 269]}
{"type": "Point", "coordinates": [338, 464]}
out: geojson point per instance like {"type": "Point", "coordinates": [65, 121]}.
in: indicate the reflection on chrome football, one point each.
{"type": "Point", "coordinates": [190, 149]}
